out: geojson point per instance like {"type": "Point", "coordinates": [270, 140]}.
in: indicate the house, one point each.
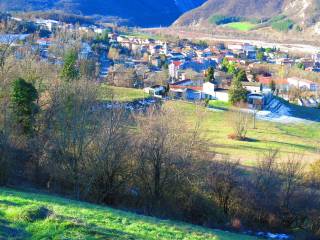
{"type": "Point", "coordinates": [44, 42]}
{"type": "Point", "coordinates": [303, 84]}
{"type": "Point", "coordinates": [316, 58]}
{"type": "Point", "coordinates": [155, 61]}
{"type": "Point", "coordinates": [208, 89]}
{"type": "Point", "coordinates": [174, 68]}
{"type": "Point", "coordinates": [186, 89]}
{"type": "Point", "coordinates": [86, 51]}
{"type": "Point", "coordinates": [265, 81]}
{"type": "Point", "coordinates": [155, 49]}
{"type": "Point", "coordinates": [284, 61]}
{"type": "Point", "coordinates": [252, 87]}
{"type": "Point", "coordinates": [13, 39]}
{"type": "Point", "coordinates": [199, 65]}
{"type": "Point", "coordinates": [250, 51]}
{"type": "Point", "coordinates": [235, 47]}
{"type": "Point", "coordinates": [221, 95]}
{"type": "Point", "coordinates": [156, 91]}
{"type": "Point", "coordinates": [256, 101]}
{"type": "Point", "coordinates": [49, 24]}
{"type": "Point", "coordinates": [176, 56]}
{"type": "Point", "coordinates": [197, 90]}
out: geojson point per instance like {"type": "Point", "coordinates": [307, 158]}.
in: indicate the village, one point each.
{"type": "Point", "coordinates": [136, 128]}
{"type": "Point", "coordinates": [178, 68]}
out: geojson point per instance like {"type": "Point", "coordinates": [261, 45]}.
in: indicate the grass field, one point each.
{"type": "Point", "coordinates": [289, 139]}
{"type": "Point", "coordinates": [35, 216]}
{"type": "Point", "coordinates": [219, 104]}
{"type": "Point", "coordinates": [120, 94]}
{"type": "Point", "coordinates": [241, 26]}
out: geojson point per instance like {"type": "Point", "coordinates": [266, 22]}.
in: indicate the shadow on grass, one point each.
{"type": "Point", "coordinates": [9, 203]}
{"type": "Point", "coordinates": [93, 231]}
{"type": "Point", "coordinates": [249, 140]}
{"type": "Point", "coordinates": [9, 232]}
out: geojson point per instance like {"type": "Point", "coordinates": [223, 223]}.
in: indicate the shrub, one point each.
{"type": "Point", "coordinates": [283, 25]}
{"type": "Point", "coordinates": [220, 19]}
{"type": "Point", "coordinates": [33, 213]}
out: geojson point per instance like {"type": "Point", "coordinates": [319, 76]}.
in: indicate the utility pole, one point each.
{"type": "Point", "coordinates": [254, 115]}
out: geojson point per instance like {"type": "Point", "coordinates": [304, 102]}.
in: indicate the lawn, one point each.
{"type": "Point", "coordinates": [289, 139]}
{"type": "Point", "coordinates": [36, 216]}
{"type": "Point", "coordinates": [108, 93]}
{"type": "Point", "coordinates": [219, 104]}
{"type": "Point", "coordinates": [241, 26]}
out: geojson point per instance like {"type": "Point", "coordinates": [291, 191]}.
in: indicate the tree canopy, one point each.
{"type": "Point", "coordinates": [23, 97]}
{"type": "Point", "coordinates": [237, 93]}
{"type": "Point", "coordinates": [70, 70]}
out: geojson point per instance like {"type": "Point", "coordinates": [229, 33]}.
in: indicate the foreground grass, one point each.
{"type": "Point", "coordinates": [289, 139]}
{"type": "Point", "coordinates": [121, 94]}
{"type": "Point", "coordinates": [241, 26]}
{"type": "Point", "coordinates": [36, 216]}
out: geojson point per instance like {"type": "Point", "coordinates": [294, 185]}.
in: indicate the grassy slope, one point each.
{"type": "Point", "coordinates": [289, 139]}
{"type": "Point", "coordinates": [121, 94]}
{"type": "Point", "coordinates": [241, 26]}
{"type": "Point", "coordinates": [76, 220]}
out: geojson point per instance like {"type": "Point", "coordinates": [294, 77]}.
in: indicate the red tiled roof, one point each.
{"type": "Point", "coordinates": [267, 80]}
{"type": "Point", "coordinates": [195, 88]}
{"type": "Point", "coordinates": [177, 63]}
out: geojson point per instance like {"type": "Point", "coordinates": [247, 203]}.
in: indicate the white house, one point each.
{"type": "Point", "coordinates": [209, 90]}
{"type": "Point", "coordinates": [303, 84]}
{"type": "Point", "coordinates": [174, 69]}
{"type": "Point", "coordinates": [316, 57]}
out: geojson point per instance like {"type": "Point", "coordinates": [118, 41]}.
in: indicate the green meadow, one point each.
{"type": "Point", "coordinates": [290, 139]}
{"type": "Point", "coordinates": [26, 215]}
{"type": "Point", "coordinates": [241, 26]}
{"type": "Point", "coordinates": [120, 94]}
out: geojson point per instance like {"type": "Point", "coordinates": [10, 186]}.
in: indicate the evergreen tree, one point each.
{"type": "Point", "coordinates": [272, 86]}
{"type": "Point", "coordinates": [242, 76]}
{"type": "Point", "coordinates": [237, 93]}
{"type": "Point", "coordinates": [23, 97]}
{"type": "Point", "coordinates": [260, 56]}
{"type": "Point", "coordinates": [210, 74]}
{"type": "Point", "coordinates": [70, 70]}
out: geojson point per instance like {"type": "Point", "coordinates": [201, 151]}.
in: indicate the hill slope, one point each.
{"type": "Point", "coordinates": [305, 14]}
{"type": "Point", "coordinates": [35, 216]}
{"type": "Point", "coordinates": [138, 12]}
{"type": "Point", "coordinates": [239, 8]}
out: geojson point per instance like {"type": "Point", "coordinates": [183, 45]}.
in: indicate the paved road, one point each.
{"type": "Point", "coordinates": [292, 47]}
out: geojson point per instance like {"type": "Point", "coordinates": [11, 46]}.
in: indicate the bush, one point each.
{"type": "Point", "coordinates": [220, 19]}
{"type": "Point", "coordinates": [4, 153]}
{"type": "Point", "coordinates": [33, 213]}
{"type": "Point", "coordinates": [283, 25]}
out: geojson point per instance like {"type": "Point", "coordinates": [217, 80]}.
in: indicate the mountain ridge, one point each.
{"type": "Point", "coordinates": [139, 12]}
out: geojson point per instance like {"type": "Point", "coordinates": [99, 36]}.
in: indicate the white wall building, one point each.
{"type": "Point", "coordinates": [303, 84]}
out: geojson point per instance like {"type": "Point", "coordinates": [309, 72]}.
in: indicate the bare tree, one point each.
{"type": "Point", "coordinates": [71, 130]}
{"type": "Point", "coordinates": [108, 169]}
{"type": "Point", "coordinates": [291, 172]}
{"type": "Point", "coordinates": [164, 150]}
{"type": "Point", "coordinates": [267, 185]}
{"type": "Point", "coordinates": [121, 76]}
{"type": "Point", "coordinates": [223, 181]}
{"type": "Point", "coordinates": [239, 121]}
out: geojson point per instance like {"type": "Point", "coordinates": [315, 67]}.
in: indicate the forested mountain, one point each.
{"type": "Point", "coordinates": [138, 12]}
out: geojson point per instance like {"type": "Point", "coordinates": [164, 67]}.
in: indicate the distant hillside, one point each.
{"type": "Point", "coordinates": [303, 15]}
{"type": "Point", "coordinates": [239, 8]}
{"type": "Point", "coordinates": [36, 216]}
{"type": "Point", "coordinates": [138, 12]}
